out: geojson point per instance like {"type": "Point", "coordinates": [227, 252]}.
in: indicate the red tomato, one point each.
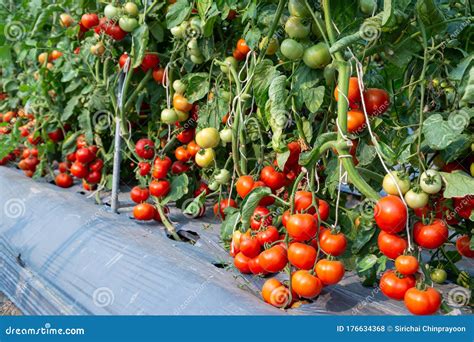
{"type": "Point", "coordinates": [89, 20]}
{"type": "Point", "coordinates": [353, 94]}
{"type": "Point", "coordinates": [376, 101]}
{"type": "Point", "coordinates": [158, 74]}
{"type": "Point", "coordinates": [78, 170]}
{"type": "Point", "coordinates": [330, 271]}
{"type": "Point", "coordinates": [145, 148]}
{"type": "Point", "coordinates": [139, 195]}
{"type": "Point", "coordinates": [255, 267]}
{"type": "Point", "coordinates": [64, 167]}
{"type": "Point", "coordinates": [406, 264]}
{"type": "Point", "coordinates": [267, 200]}
{"type": "Point", "coordinates": [301, 255]}
{"type": "Point", "coordinates": [464, 206]}
{"type": "Point", "coordinates": [158, 217]}
{"type": "Point", "coordinates": [260, 218]}
{"type": "Point", "coordinates": [269, 235]}
{"type": "Point", "coordinates": [56, 135]}
{"type": "Point", "coordinates": [186, 135]}
{"type": "Point", "coordinates": [395, 287]}
{"type": "Point", "coordinates": [96, 165]}
{"type": "Point", "coordinates": [123, 59]}
{"type": "Point", "coordinates": [223, 205]}
{"type": "Point", "coordinates": [182, 154]}
{"type": "Point", "coordinates": [115, 32]}
{"type": "Point", "coordinates": [295, 150]}
{"type": "Point", "coordinates": [272, 178]}
{"type": "Point", "coordinates": [249, 246]}
{"type": "Point", "coordinates": [161, 167]}
{"type": "Point", "coordinates": [159, 188]}
{"type": "Point", "coordinates": [274, 259]}
{"type": "Point", "coordinates": [144, 168]}
{"type": "Point", "coordinates": [334, 244]}
{"type": "Point", "coordinates": [93, 177]}
{"type": "Point", "coordinates": [284, 218]}
{"type": "Point", "coordinates": [463, 246]}
{"type": "Point", "coordinates": [301, 227]}
{"type": "Point", "coordinates": [150, 61]}
{"type": "Point", "coordinates": [241, 262]}
{"type": "Point", "coordinates": [422, 302]}
{"type": "Point", "coordinates": [244, 185]}
{"type": "Point", "coordinates": [202, 188]}
{"type": "Point", "coordinates": [391, 245]}
{"type": "Point", "coordinates": [63, 180]}
{"type": "Point", "coordinates": [193, 148]}
{"type": "Point", "coordinates": [430, 236]}
{"type": "Point", "coordinates": [305, 284]}
{"type": "Point", "coordinates": [242, 47]}
{"type": "Point", "coordinates": [144, 212]}
{"type": "Point", "coordinates": [179, 167]}
{"type": "Point", "coordinates": [390, 214]}
{"type": "Point", "coordinates": [84, 155]}
{"type": "Point", "coordinates": [238, 55]}
{"type": "Point", "coordinates": [355, 121]}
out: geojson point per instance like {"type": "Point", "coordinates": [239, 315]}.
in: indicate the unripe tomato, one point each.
{"type": "Point", "coordinates": [66, 20]}
{"type": "Point", "coordinates": [392, 179]}
{"type": "Point", "coordinates": [430, 182]}
{"type": "Point", "coordinates": [131, 9]}
{"type": "Point", "coordinates": [298, 8]}
{"type": "Point", "coordinates": [317, 56]}
{"type": "Point", "coordinates": [291, 49]}
{"type": "Point", "coordinates": [438, 276]}
{"type": "Point", "coordinates": [208, 138]}
{"type": "Point", "coordinates": [226, 135]}
{"type": "Point", "coordinates": [272, 46]}
{"type": "Point", "coordinates": [111, 12]}
{"type": "Point", "coordinates": [416, 199]}
{"type": "Point", "coordinates": [296, 28]}
{"type": "Point", "coordinates": [181, 103]}
{"type": "Point", "coordinates": [205, 157]}
{"type": "Point", "coordinates": [128, 24]}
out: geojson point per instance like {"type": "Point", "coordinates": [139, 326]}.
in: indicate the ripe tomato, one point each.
{"type": "Point", "coordinates": [249, 245]}
{"type": "Point", "coordinates": [463, 246]}
{"type": "Point", "coordinates": [274, 259]}
{"type": "Point", "coordinates": [323, 208]}
{"type": "Point", "coordinates": [93, 177]}
{"type": "Point", "coordinates": [139, 195]}
{"type": "Point", "coordinates": [272, 178]}
{"type": "Point", "coordinates": [295, 151]}
{"type": "Point", "coordinates": [391, 180]}
{"type": "Point", "coordinates": [334, 244]}
{"type": "Point", "coordinates": [179, 167]}
{"type": "Point", "coordinates": [96, 165]}
{"type": "Point", "coordinates": [376, 101]}
{"type": "Point", "coordinates": [238, 55]}
{"type": "Point", "coordinates": [63, 180]}
{"type": "Point", "coordinates": [267, 200]}
{"type": "Point", "coordinates": [353, 94]}
{"type": "Point", "coordinates": [89, 20]}
{"type": "Point", "coordinates": [241, 262]}
{"type": "Point", "coordinates": [158, 74]}
{"type": "Point", "coordinates": [255, 267]}
{"type": "Point", "coordinates": [123, 59]}
{"type": "Point", "coordinates": [186, 135]}
{"type": "Point", "coordinates": [66, 20]}
{"type": "Point", "coordinates": [275, 293]}
{"type": "Point", "coordinates": [144, 212]}
{"type": "Point", "coordinates": [430, 236]}
{"type": "Point", "coordinates": [64, 167]}
{"type": "Point", "coordinates": [242, 47]}
{"type": "Point", "coordinates": [115, 31]}
{"type": "Point", "coordinates": [84, 155]}
{"type": "Point", "coordinates": [305, 284]}
{"type": "Point", "coordinates": [260, 218]}
{"type": "Point", "coordinates": [422, 302]}
{"type": "Point", "coordinates": [390, 214]}
{"type": "Point", "coordinates": [144, 168]}
{"type": "Point", "coordinates": [391, 245]}
{"type": "Point", "coordinates": [406, 264]}
{"type": "Point", "coordinates": [269, 235]}
{"type": "Point", "coordinates": [159, 188]}
{"type": "Point", "coordinates": [81, 141]}
{"type": "Point", "coordinates": [150, 61]}
{"type": "Point", "coordinates": [202, 188]}
{"type": "Point", "coordinates": [182, 154]}
{"type": "Point", "coordinates": [284, 217]}
{"type": "Point", "coordinates": [145, 148]}
{"type": "Point", "coordinates": [301, 255]}
{"type": "Point", "coordinates": [395, 287]}
{"type": "Point", "coordinates": [244, 185]}
{"type": "Point", "coordinates": [330, 271]}
{"type": "Point", "coordinates": [181, 103]}
{"type": "Point", "coordinates": [355, 121]}
{"type": "Point", "coordinates": [301, 227]}
{"type": "Point", "coordinates": [161, 167]}
{"type": "Point", "coordinates": [223, 205]}
{"type": "Point", "coordinates": [193, 148]}
{"type": "Point", "coordinates": [56, 135]}
{"type": "Point", "coordinates": [463, 206]}
{"type": "Point", "coordinates": [78, 170]}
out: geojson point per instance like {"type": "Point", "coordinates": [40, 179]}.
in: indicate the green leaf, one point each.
{"type": "Point", "coordinates": [203, 6]}
{"type": "Point", "coordinates": [457, 184]}
{"type": "Point", "coordinates": [69, 143]}
{"type": "Point", "coordinates": [265, 72]}
{"type": "Point", "coordinates": [197, 86]}
{"type": "Point", "coordinates": [250, 202]}
{"type": "Point", "coordinates": [278, 94]}
{"type": "Point", "coordinates": [313, 97]}
{"type": "Point", "coordinates": [177, 13]}
{"type": "Point", "coordinates": [232, 218]}
{"type": "Point", "coordinates": [366, 263]}
{"type": "Point", "coordinates": [139, 45]}
{"type": "Point", "coordinates": [252, 37]}
{"type": "Point", "coordinates": [282, 158]}
{"type": "Point", "coordinates": [5, 55]}
{"type": "Point", "coordinates": [362, 238]}
{"type": "Point", "coordinates": [440, 133]}
{"type": "Point", "coordinates": [367, 155]}
{"type": "Point", "coordinates": [179, 188]}
{"type": "Point", "coordinates": [458, 72]}
{"type": "Point", "coordinates": [69, 109]}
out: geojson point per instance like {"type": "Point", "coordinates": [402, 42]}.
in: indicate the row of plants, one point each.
{"type": "Point", "coordinates": [329, 136]}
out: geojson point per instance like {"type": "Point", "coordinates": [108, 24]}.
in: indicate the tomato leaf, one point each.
{"type": "Point", "coordinates": [232, 217]}
{"type": "Point", "coordinates": [282, 158]}
{"type": "Point", "coordinates": [250, 202]}
{"type": "Point", "coordinates": [179, 187]}
{"type": "Point", "coordinates": [139, 44]}
{"type": "Point", "coordinates": [366, 263]}
{"type": "Point", "coordinates": [177, 13]}
{"type": "Point", "coordinates": [197, 86]}
{"type": "Point", "coordinates": [265, 72]}
{"type": "Point", "coordinates": [457, 184]}
{"type": "Point", "coordinates": [279, 116]}
{"type": "Point", "coordinates": [440, 133]}
{"type": "Point", "coordinates": [362, 238]}
{"type": "Point", "coordinates": [313, 97]}
{"type": "Point", "coordinates": [69, 109]}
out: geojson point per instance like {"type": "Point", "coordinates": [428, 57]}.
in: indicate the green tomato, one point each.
{"type": "Point", "coordinates": [226, 135]}
{"type": "Point", "coordinates": [430, 182]}
{"type": "Point", "coordinates": [444, 84]}
{"type": "Point", "coordinates": [223, 177]}
{"type": "Point", "coordinates": [229, 62]}
{"type": "Point", "coordinates": [169, 116]}
{"type": "Point", "coordinates": [197, 59]}
{"type": "Point", "coordinates": [317, 56]}
{"type": "Point", "coordinates": [131, 9]}
{"type": "Point", "coordinates": [213, 186]}
{"type": "Point", "coordinates": [128, 24]}
{"type": "Point", "coordinates": [204, 158]}
{"type": "Point", "coordinates": [439, 276]}
{"type": "Point", "coordinates": [178, 32]}
{"type": "Point", "coordinates": [330, 75]}
{"type": "Point", "coordinates": [193, 47]}
{"type": "Point", "coordinates": [225, 95]}
{"type": "Point", "coordinates": [389, 183]}
{"type": "Point", "coordinates": [179, 86]}
{"type": "Point", "coordinates": [291, 49]}
{"type": "Point", "coordinates": [111, 12]}
{"type": "Point", "coordinates": [298, 8]}
{"type": "Point", "coordinates": [315, 28]}
{"type": "Point", "coordinates": [272, 46]}
{"type": "Point", "coordinates": [416, 199]}
{"type": "Point", "coordinates": [435, 82]}
{"type": "Point", "coordinates": [208, 138]}
{"type": "Point", "coordinates": [368, 6]}
{"type": "Point", "coordinates": [472, 169]}
{"type": "Point", "coordinates": [182, 116]}
{"type": "Point", "coordinates": [295, 28]}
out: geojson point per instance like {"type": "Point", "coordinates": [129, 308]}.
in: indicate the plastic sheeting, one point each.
{"type": "Point", "coordinates": [62, 254]}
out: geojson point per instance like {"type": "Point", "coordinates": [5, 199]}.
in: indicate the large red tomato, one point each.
{"type": "Point", "coordinates": [145, 148]}
{"type": "Point", "coordinates": [274, 259]}
{"type": "Point", "coordinates": [305, 284]}
{"type": "Point", "coordinates": [463, 246]}
{"type": "Point", "coordinates": [422, 302]}
{"type": "Point", "coordinates": [430, 236]}
{"type": "Point", "coordinates": [390, 214]}
{"type": "Point", "coordinates": [376, 101]}
{"type": "Point", "coordinates": [301, 227]}
{"type": "Point", "coordinates": [260, 218]}
{"type": "Point", "coordinates": [301, 255]}
{"type": "Point", "coordinates": [330, 271]}
{"type": "Point", "coordinates": [394, 287]}
{"type": "Point", "coordinates": [334, 244]}
{"type": "Point", "coordinates": [272, 178]}
{"type": "Point", "coordinates": [391, 245]}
